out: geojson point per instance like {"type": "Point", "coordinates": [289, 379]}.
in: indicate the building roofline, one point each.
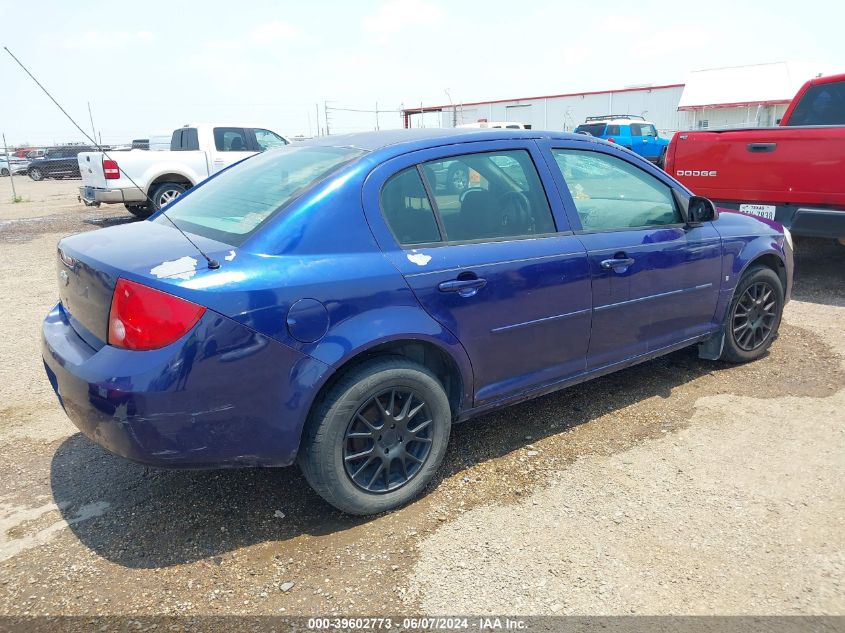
{"type": "Point", "coordinates": [449, 106]}
{"type": "Point", "coordinates": [733, 105]}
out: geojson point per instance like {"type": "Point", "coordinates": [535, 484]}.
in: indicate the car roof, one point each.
{"type": "Point", "coordinates": [617, 122]}
{"type": "Point", "coordinates": [405, 140]}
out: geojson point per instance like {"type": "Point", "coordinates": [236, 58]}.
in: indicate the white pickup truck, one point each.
{"type": "Point", "coordinates": [159, 176]}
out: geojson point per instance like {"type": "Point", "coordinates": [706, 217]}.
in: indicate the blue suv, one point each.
{"type": "Point", "coordinates": [332, 303]}
{"type": "Point", "coordinates": [629, 131]}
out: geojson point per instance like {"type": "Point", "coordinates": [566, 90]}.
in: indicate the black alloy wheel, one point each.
{"type": "Point", "coordinates": [754, 316]}
{"type": "Point", "coordinates": [388, 440]}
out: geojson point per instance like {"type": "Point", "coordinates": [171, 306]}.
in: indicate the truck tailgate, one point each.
{"type": "Point", "coordinates": [781, 165]}
{"type": "Point", "coordinates": [91, 169]}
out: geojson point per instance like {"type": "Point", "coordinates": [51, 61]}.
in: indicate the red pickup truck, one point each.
{"type": "Point", "coordinates": [793, 173]}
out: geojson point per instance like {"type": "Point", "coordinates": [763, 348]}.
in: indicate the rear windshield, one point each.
{"type": "Point", "coordinates": [594, 129]}
{"type": "Point", "coordinates": [232, 206]}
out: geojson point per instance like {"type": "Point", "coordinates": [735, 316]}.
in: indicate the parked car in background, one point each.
{"type": "Point", "coordinates": [344, 313]}
{"type": "Point", "coordinates": [496, 125]}
{"type": "Point", "coordinates": [629, 131]}
{"type": "Point", "coordinates": [145, 181]}
{"type": "Point", "coordinates": [793, 173]}
{"type": "Point", "coordinates": [12, 164]}
{"type": "Point", "coordinates": [57, 162]}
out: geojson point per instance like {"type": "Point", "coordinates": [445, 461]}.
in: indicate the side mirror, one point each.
{"type": "Point", "coordinates": [701, 209]}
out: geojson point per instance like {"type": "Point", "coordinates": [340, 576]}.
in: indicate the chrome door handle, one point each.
{"type": "Point", "coordinates": [618, 262]}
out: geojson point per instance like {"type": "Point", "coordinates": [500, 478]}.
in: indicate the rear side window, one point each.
{"type": "Point", "coordinates": [612, 130]}
{"type": "Point", "coordinates": [230, 139]}
{"type": "Point", "coordinates": [593, 129]}
{"type": "Point", "coordinates": [407, 209]}
{"type": "Point", "coordinates": [234, 204]}
{"type": "Point", "coordinates": [823, 104]}
{"type": "Point", "coordinates": [489, 196]}
{"type": "Point", "coordinates": [185, 140]}
{"type": "Point", "coordinates": [611, 194]}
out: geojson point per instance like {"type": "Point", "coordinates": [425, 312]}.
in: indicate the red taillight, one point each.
{"type": "Point", "coordinates": [142, 318]}
{"type": "Point", "coordinates": [110, 169]}
{"type": "Point", "coordinates": [612, 140]}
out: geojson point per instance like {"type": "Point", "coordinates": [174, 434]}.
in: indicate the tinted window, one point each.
{"type": "Point", "coordinates": [230, 139]}
{"type": "Point", "coordinates": [637, 129]}
{"type": "Point", "coordinates": [268, 140]}
{"type": "Point", "coordinates": [594, 129]}
{"type": "Point", "coordinates": [612, 130]}
{"type": "Point", "coordinates": [232, 205]}
{"type": "Point", "coordinates": [610, 193]}
{"type": "Point", "coordinates": [503, 196]}
{"type": "Point", "coordinates": [821, 105]}
{"type": "Point", "coordinates": [407, 209]}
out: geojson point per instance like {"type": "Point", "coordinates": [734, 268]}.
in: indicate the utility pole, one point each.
{"type": "Point", "coordinates": [11, 175]}
{"type": "Point", "coordinates": [326, 114]}
{"type": "Point", "coordinates": [376, 116]}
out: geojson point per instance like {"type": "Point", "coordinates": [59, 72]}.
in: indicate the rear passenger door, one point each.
{"type": "Point", "coordinates": [656, 279]}
{"type": "Point", "coordinates": [495, 263]}
{"type": "Point", "coordinates": [231, 145]}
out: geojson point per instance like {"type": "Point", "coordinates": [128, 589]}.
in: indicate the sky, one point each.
{"type": "Point", "coordinates": [149, 66]}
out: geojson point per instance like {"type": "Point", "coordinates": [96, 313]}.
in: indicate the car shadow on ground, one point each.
{"type": "Point", "coordinates": [819, 271]}
{"type": "Point", "coordinates": [158, 518]}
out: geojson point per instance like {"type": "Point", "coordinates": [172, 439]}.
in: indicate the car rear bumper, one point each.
{"type": "Point", "coordinates": [806, 221]}
{"type": "Point", "coordinates": [221, 396]}
{"type": "Point", "coordinates": [97, 195]}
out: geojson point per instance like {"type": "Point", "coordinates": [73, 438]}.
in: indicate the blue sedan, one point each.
{"type": "Point", "coordinates": [329, 303]}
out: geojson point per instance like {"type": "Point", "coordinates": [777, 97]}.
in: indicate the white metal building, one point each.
{"type": "Point", "coordinates": [658, 104]}
{"type": "Point", "coordinates": [741, 96]}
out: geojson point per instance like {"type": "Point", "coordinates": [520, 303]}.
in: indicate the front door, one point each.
{"type": "Point", "coordinates": [489, 263]}
{"type": "Point", "coordinates": [655, 279]}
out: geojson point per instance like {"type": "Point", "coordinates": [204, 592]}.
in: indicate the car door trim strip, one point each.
{"type": "Point", "coordinates": [650, 297]}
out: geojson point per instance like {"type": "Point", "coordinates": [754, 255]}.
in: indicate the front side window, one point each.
{"type": "Point", "coordinates": [268, 140]}
{"type": "Point", "coordinates": [611, 194]}
{"type": "Point", "coordinates": [234, 204]}
{"type": "Point", "coordinates": [491, 195]}
{"type": "Point", "coordinates": [407, 210]}
{"type": "Point", "coordinates": [823, 104]}
{"type": "Point", "coordinates": [230, 139]}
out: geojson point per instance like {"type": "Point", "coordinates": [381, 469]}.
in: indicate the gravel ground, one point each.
{"type": "Point", "coordinates": [678, 486]}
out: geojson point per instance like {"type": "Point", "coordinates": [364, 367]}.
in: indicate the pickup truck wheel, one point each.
{"type": "Point", "coordinates": [754, 316]}
{"type": "Point", "coordinates": [165, 193]}
{"type": "Point", "coordinates": [139, 210]}
{"type": "Point", "coordinates": [377, 437]}
{"type": "Point", "coordinates": [36, 174]}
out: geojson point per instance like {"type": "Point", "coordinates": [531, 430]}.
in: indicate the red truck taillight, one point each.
{"type": "Point", "coordinates": [110, 169]}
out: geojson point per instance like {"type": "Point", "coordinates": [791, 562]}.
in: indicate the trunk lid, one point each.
{"type": "Point", "coordinates": [91, 169]}
{"type": "Point", "coordinates": [89, 265]}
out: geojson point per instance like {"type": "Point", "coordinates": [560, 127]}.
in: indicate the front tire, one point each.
{"type": "Point", "coordinates": [377, 437]}
{"type": "Point", "coordinates": [754, 316]}
{"type": "Point", "coordinates": [36, 174]}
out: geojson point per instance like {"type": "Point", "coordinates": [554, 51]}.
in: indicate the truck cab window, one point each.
{"type": "Point", "coordinates": [230, 139]}
{"type": "Point", "coordinates": [823, 104]}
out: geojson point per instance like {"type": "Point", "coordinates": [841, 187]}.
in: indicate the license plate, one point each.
{"type": "Point", "coordinates": [762, 210]}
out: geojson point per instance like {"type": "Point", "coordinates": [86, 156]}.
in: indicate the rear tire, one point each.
{"type": "Point", "coordinates": [4, 172]}
{"type": "Point", "coordinates": [166, 193]}
{"type": "Point", "coordinates": [754, 316]}
{"type": "Point", "coordinates": [139, 211]}
{"type": "Point", "coordinates": [383, 405]}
